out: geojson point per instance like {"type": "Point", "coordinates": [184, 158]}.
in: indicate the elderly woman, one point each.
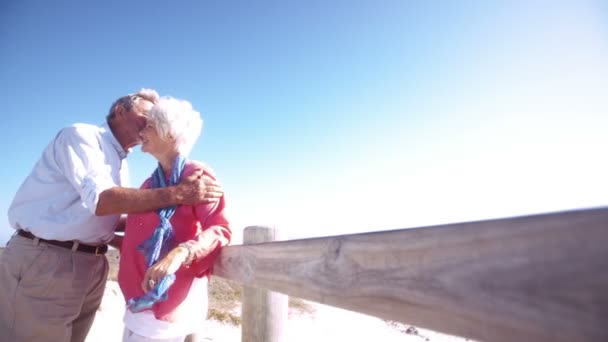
{"type": "Point", "coordinates": [166, 255]}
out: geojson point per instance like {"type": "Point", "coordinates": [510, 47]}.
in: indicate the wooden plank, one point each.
{"type": "Point", "coordinates": [532, 278]}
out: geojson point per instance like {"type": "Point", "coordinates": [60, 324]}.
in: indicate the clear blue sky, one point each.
{"type": "Point", "coordinates": [333, 117]}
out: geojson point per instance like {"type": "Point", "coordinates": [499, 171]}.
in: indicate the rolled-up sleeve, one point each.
{"type": "Point", "coordinates": [84, 164]}
{"type": "Point", "coordinates": [215, 234]}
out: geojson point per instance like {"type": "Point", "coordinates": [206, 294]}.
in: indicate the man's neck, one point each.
{"type": "Point", "coordinates": [121, 136]}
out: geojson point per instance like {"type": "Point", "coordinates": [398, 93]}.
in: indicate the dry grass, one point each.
{"type": "Point", "coordinates": [224, 301]}
{"type": "Point", "coordinates": [113, 259]}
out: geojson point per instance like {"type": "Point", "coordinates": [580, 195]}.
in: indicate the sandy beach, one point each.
{"type": "Point", "coordinates": [325, 324]}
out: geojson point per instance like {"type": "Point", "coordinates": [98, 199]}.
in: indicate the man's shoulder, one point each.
{"type": "Point", "coordinates": [85, 128]}
{"type": "Point", "coordinates": [81, 129]}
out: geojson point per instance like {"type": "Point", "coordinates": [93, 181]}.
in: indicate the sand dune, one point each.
{"type": "Point", "coordinates": [326, 324]}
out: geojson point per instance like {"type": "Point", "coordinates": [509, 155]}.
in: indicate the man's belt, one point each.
{"type": "Point", "coordinates": [73, 245]}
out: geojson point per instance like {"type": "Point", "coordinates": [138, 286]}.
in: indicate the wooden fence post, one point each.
{"type": "Point", "coordinates": [264, 313]}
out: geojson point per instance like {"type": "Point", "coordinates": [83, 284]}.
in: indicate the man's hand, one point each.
{"type": "Point", "coordinates": [199, 188]}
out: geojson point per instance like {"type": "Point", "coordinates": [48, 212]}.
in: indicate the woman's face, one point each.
{"type": "Point", "coordinates": [152, 142]}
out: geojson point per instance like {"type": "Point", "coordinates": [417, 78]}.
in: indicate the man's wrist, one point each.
{"type": "Point", "coordinates": [176, 196]}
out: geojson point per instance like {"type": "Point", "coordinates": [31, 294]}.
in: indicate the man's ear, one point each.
{"type": "Point", "coordinates": [119, 110]}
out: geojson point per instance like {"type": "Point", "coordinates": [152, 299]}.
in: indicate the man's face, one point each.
{"type": "Point", "coordinates": [137, 118]}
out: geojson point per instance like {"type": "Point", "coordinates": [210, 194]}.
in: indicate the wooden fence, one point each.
{"type": "Point", "coordinates": [531, 278]}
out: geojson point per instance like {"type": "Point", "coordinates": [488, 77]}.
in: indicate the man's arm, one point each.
{"type": "Point", "coordinates": [119, 200]}
{"type": "Point", "coordinates": [194, 189]}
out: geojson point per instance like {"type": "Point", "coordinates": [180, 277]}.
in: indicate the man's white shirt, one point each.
{"type": "Point", "coordinates": [57, 201]}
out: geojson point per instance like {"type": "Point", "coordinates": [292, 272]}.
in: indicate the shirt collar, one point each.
{"type": "Point", "coordinates": [107, 133]}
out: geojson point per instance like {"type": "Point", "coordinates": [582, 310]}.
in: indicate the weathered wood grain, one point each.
{"type": "Point", "coordinates": [264, 313]}
{"type": "Point", "coordinates": [534, 278]}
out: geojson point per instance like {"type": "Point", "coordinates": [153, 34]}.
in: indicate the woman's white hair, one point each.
{"type": "Point", "coordinates": [175, 118]}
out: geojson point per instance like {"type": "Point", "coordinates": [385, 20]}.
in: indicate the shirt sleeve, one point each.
{"type": "Point", "coordinates": [214, 235]}
{"type": "Point", "coordinates": [82, 161]}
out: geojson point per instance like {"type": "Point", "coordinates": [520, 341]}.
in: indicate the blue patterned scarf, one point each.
{"type": "Point", "coordinates": [158, 245]}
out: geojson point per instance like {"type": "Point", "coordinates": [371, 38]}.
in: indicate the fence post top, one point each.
{"type": "Point", "coordinates": [257, 234]}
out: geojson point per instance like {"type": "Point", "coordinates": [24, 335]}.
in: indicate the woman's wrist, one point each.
{"type": "Point", "coordinates": [178, 253]}
{"type": "Point", "coordinates": [189, 253]}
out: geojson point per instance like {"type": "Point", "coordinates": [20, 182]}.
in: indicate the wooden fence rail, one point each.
{"type": "Point", "coordinates": [531, 278]}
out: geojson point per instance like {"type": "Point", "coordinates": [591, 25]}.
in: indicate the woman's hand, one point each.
{"type": "Point", "coordinates": [167, 265]}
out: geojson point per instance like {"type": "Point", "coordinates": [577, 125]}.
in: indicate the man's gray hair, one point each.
{"type": "Point", "coordinates": [131, 100]}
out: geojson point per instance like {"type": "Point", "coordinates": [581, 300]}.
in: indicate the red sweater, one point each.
{"type": "Point", "coordinates": [189, 222]}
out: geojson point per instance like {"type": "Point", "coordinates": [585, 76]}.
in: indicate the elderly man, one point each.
{"type": "Point", "coordinates": [53, 271]}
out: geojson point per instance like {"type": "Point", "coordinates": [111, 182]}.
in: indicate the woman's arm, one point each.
{"type": "Point", "coordinates": [216, 233]}
{"type": "Point", "coordinates": [198, 254]}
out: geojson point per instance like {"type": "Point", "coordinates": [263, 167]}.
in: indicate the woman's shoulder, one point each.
{"type": "Point", "coordinates": [147, 184]}
{"type": "Point", "coordinates": [194, 166]}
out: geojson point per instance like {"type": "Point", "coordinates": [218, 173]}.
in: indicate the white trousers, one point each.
{"type": "Point", "coordinates": [129, 336]}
